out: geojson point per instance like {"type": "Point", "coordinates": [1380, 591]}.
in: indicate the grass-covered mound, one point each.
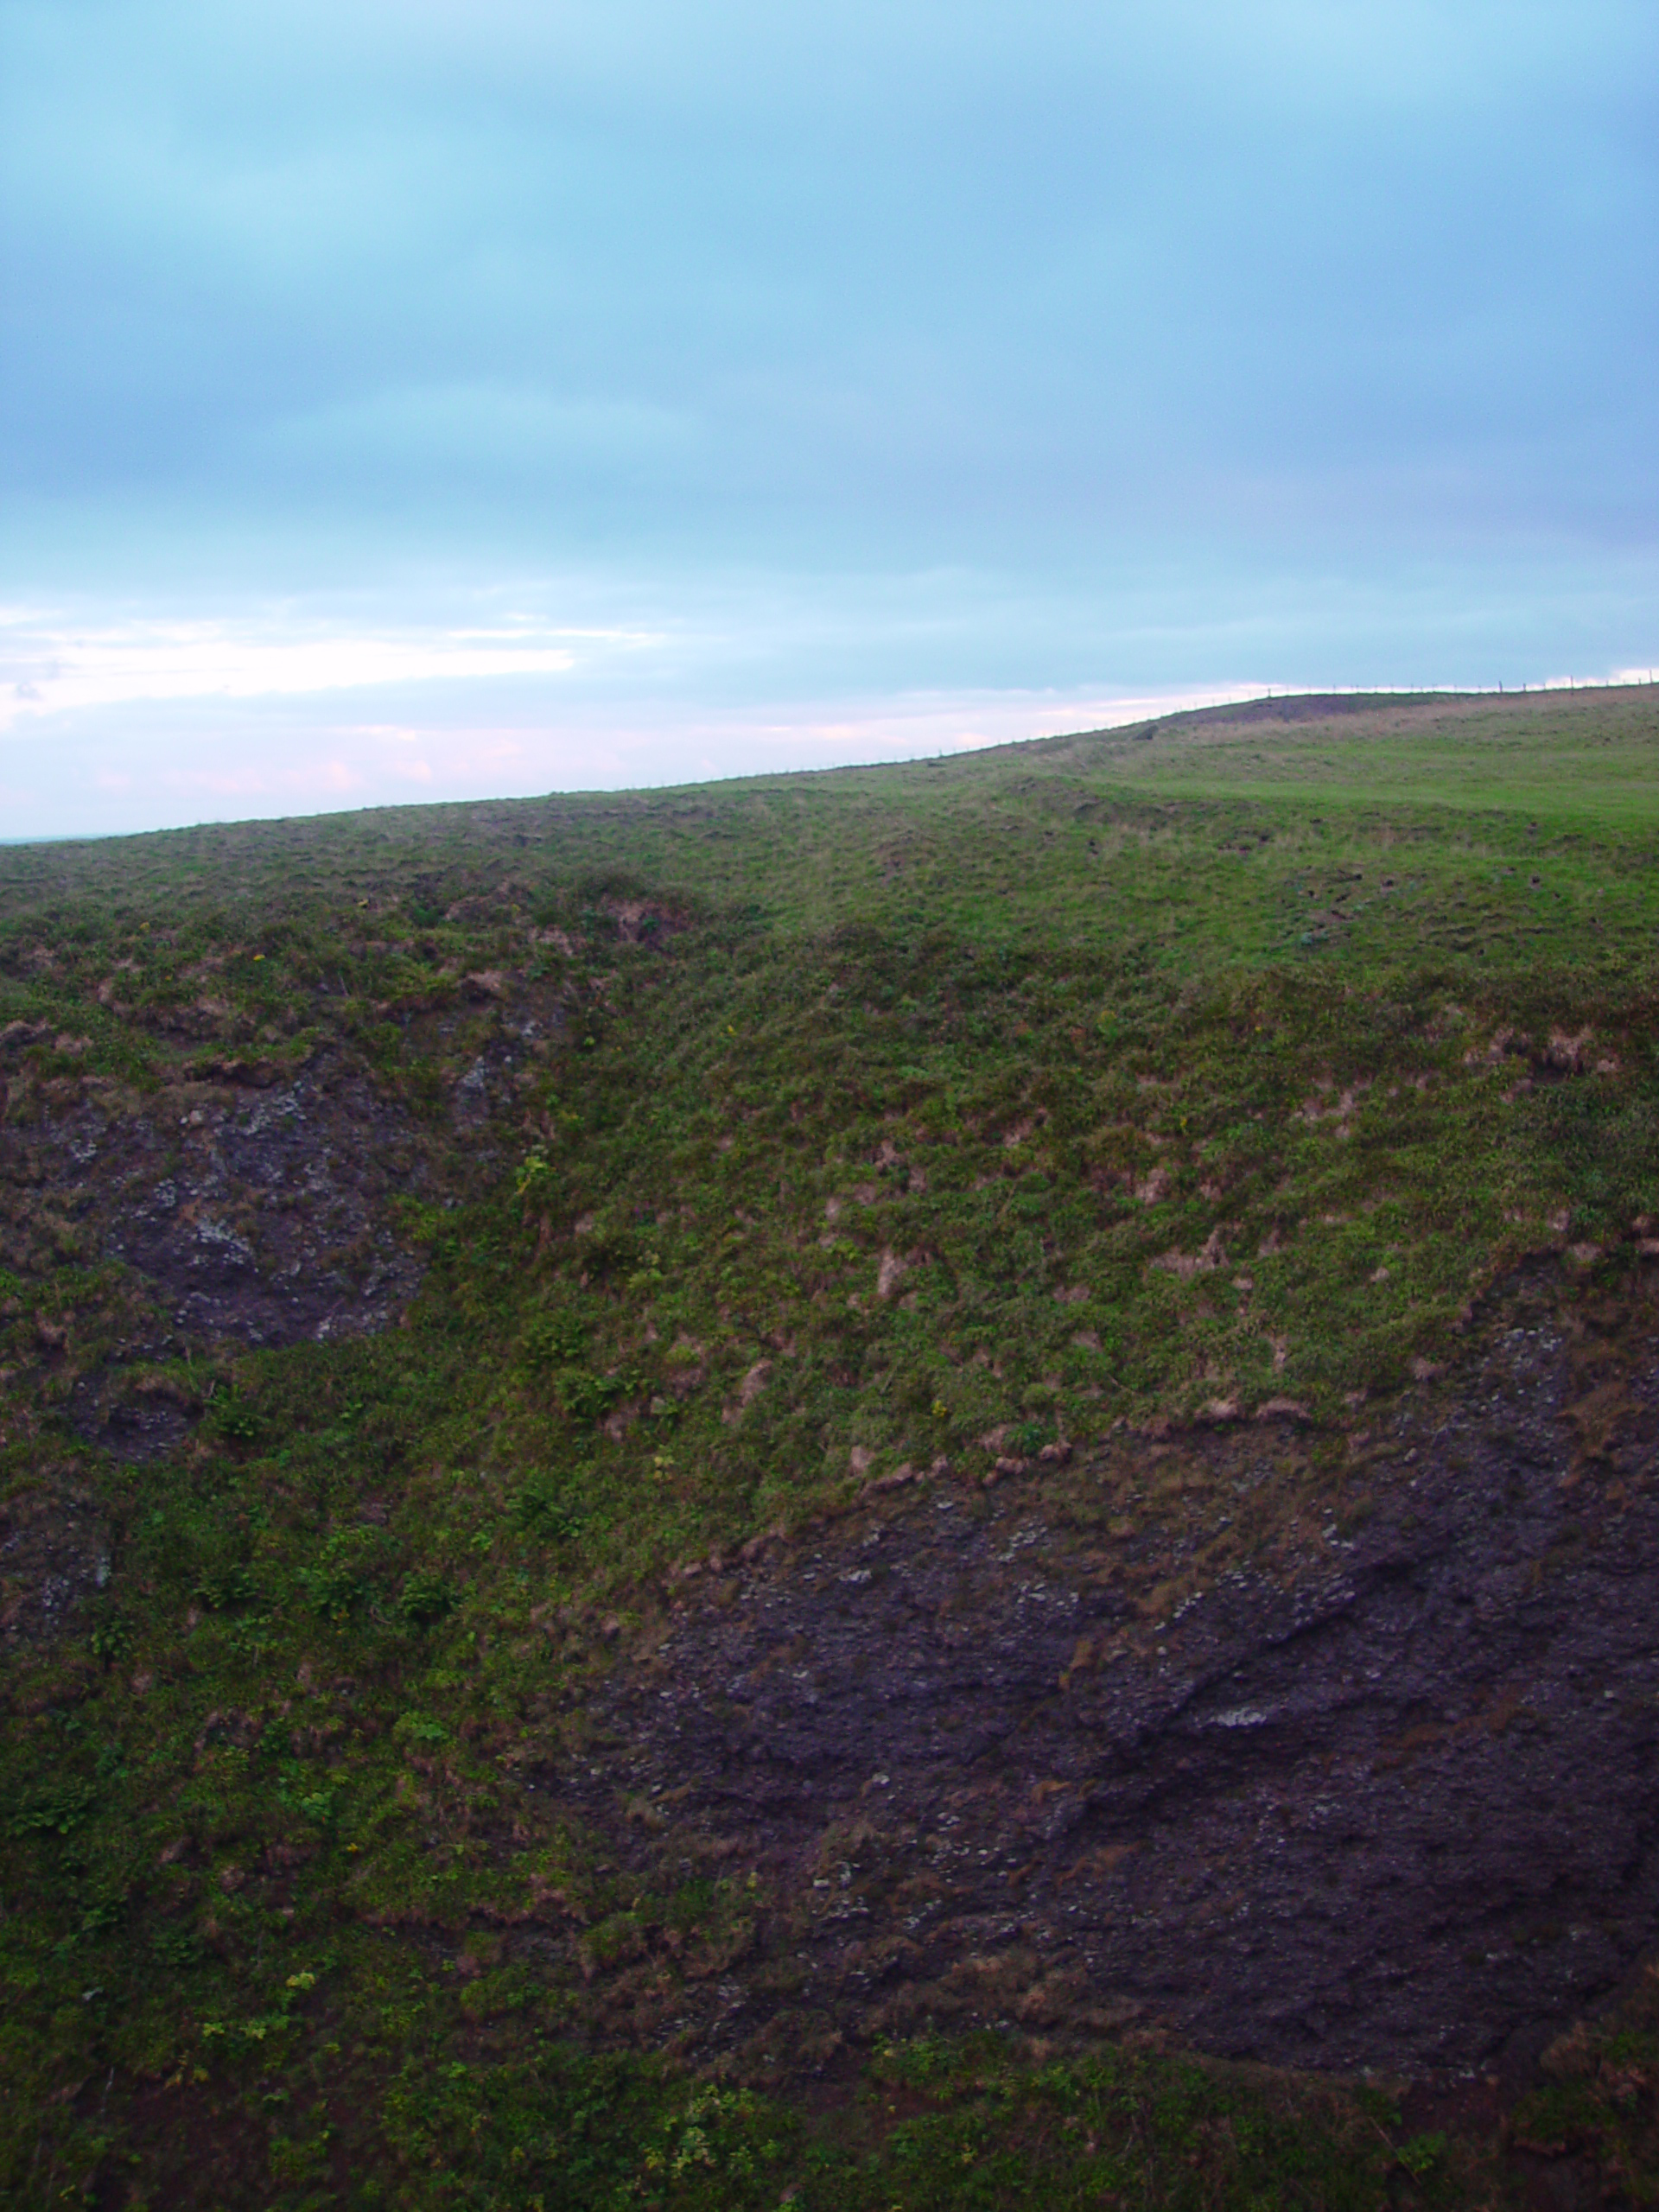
{"type": "Point", "coordinates": [666, 1169]}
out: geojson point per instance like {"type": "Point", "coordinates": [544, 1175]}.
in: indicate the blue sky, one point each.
{"type": "Point", "coordinates": [435, 398]}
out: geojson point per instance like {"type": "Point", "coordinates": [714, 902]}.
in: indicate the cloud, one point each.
{"type": "Point", "coordinates": [47, 666]}
{"type": "Point", "coordinates": [816, 355]}
{"type": "Point", "coordinates": [771, 279]}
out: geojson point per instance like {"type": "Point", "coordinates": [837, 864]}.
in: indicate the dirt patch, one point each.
{"type": "Point", "coordinates": [128, 1425]}
{"type": "Point", "coordinates": [1333, 1817]}
{"type": "Point", "coordinates": [259, 1216]}
{"type": "Point", "coordinates": [1314, 707]}
{"type": "Point", "coordinates": [642, 921]}
{"type": "Point", "coordinates": [55, 1551]}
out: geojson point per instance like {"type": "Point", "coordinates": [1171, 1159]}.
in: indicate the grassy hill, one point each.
{"type": "Point", "coordinates": [436, 1240]}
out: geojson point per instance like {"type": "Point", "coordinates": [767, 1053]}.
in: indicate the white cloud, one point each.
{"type": "Point", "coordinates": [50, 666]}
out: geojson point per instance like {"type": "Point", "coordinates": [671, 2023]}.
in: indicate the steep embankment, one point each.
{"type": "Point", "coordinates": [1016, 1395]}
{"type": "Point", "coordinates": [1389, 1802]}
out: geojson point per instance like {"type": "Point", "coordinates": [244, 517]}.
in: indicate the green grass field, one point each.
{"type": "Point", "coordinates": [840, 1123]}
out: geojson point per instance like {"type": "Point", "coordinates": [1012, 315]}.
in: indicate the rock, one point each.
{"type": "Point", "coordinates": [1282, 1409]}
{"type": "Point", "coordinates": [1185, 1265]}
{"type": "Point", "coordinates": [757, 1546]}
{"type": "Point", "coordinates": [754, 1383]}
{"type": "Point", "coordinates": [895, 1480]}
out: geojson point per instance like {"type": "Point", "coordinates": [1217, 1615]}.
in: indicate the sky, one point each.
{"type": "Point", "coordinates": [465, 398]}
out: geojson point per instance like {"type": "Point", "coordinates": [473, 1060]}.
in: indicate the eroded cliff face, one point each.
{"type": "Point", "coordinates": [250, 1207]}
{"type": "Point", "coordinates": [1384, 1795]}
{"type": "Point", "coordinates": [1332, 1748]}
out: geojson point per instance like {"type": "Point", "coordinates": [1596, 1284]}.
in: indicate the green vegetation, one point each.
{"type": "Point", "coordinates": [756, 1143]}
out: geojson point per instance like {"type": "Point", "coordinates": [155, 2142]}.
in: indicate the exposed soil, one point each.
{"type": "Point", "coordinates": [1397, 1807]}
{"type": "Point", "coordinates": [1319, 707]}
{"type": "Point", "coordinates": [53, 1552]}
{"type": "Point", "coordinates": [127, 1424]}
{"type": "Point", "coordinates": [251, 1212]}
{"type": "Point", "coordinates": [256, 1218]}
{"type": "Point", "coordinates": [254, 1210]}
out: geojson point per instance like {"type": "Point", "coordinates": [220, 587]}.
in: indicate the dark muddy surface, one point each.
{"type": "Point", "coordinates": [54, 1552]}
{"type": "Point", "coordinates": [129, 1426]}
{"type": "Point", "coordinates": [1317, 706]}
{"type": "Point", "coordinates": [260, 1220]}
{"type": "Point", "coordinates": [247, 1216]}
{"type": "Point", "coordinates": [254, 1212]}
{"type": "Point", "coordinates": [1400, 1808]}
{"type": "Point", "coordinates": [251, 1211]}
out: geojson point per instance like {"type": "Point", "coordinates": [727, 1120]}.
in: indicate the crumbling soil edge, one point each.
{"type": "Point", "coordinates": [1397, 1808]}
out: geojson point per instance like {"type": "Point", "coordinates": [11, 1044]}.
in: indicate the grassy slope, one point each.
{"type": "Point", "coordinates": [1135, 1076]}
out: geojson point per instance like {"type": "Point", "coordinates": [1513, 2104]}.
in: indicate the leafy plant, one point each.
{"type": "Point", "coordinates": [111, 1639]}
{"type": "Point", "coordinates": [235, 1419]}
{"type": "Point", "coordinates": [339, 1580]}
{"type": "Point", "coordinates": [426, 1598]}
{"type": "Point", "coordinates": [587, 1397]}
{"type": "Point", "coordinates": [544, 1509]}
{"type": "Point", "coordinates": [227, 1588]}
{"type": "Point", "coordinates": [59, 1811]}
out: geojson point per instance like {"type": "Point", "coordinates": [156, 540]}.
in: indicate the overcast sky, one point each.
{"type": "Point", "coordinates": [461, 397]}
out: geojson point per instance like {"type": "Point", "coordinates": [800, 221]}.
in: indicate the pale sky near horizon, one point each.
{"type": "Point", "coordinates": [441, 400]}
